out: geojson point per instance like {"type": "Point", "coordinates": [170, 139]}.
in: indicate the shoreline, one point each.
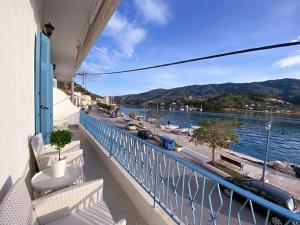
{"type": "Point", "coordinates": [296, 114]}
{"type": "Point", "coordinates": [282, 125]}
{"type": "Point", "coordinates": [225, 110]}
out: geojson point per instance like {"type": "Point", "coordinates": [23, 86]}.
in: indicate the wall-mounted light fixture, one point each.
{"type": "Point", "coordinates": [48, 29]}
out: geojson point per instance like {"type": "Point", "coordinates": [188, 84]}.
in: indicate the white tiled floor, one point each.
{"type": "Point", "coordinates": [116, 199]}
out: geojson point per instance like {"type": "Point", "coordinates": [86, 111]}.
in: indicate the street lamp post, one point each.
{"type": "Point", "coordinates": [267, 128]}
{"type": "Point", "coordinates": [156, 115]}
{"type": "Point", "coordinates": [144, 116]}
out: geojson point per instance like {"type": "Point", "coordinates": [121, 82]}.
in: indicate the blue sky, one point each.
{"type": "Point", "coordinates": [149, 32]}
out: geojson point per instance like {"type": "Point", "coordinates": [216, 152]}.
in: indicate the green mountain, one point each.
{"type": "Point", "coordinates": [287, 89]}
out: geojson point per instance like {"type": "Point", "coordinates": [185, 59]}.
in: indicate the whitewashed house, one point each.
{"type": "Point", "coordinates": [27, 56]}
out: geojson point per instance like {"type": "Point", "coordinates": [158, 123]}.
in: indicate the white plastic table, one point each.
{"type": "Point", "coordinates": [43, 180]}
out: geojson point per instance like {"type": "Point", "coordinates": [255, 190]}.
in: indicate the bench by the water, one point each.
{"type": "Point", "coordinates": [232, 161]}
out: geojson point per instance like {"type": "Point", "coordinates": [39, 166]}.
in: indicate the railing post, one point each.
{"type": "Point", "coordinates": [147, 169]}
{"type": "Point", "coordinates": [111, 142]}
{"type": "Point", "coordinates": [85, 122]}
{"type": "Point", "coordinates": [230, 205]}
{"type": "Point", "coordinates": [202, 200]}
{"type": "Point", "coordinates": [155, 181]}
{"type": "Point", "coordinates": [168, 183]}
{"type": "Point", "coordinates": [182, 195]}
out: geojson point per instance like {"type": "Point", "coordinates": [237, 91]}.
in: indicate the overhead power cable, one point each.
{"type": "Point", "coordinates": [203, 58]}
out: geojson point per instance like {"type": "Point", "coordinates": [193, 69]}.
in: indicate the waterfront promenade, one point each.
{"type": "Point", "coordinates": [252, 166]}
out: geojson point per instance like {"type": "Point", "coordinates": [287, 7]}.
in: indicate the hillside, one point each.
{"type": "Point", "coordinates": [78, 88]}
{"type": "Point", "coordinates": [287, 89]}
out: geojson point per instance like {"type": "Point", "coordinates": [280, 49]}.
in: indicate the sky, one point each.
{"type": "Point", "coordinates": [149, 32]}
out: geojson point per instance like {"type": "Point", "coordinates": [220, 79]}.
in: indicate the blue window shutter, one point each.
{"type": "Point", "coordinates": [46, 89]}
{"type": "Point", "coordinates": [51, 96]}
{"type": "Point", "coordinates": [37, 102]}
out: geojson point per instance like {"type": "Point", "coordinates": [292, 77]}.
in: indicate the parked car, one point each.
{"type": "Point", "coordinates": [130, 126]}
{"type": "Point", "coordinates": [167, 142]}
{"type": "Point", "coordinates": [145, 134]}
{"type": "Point", "coordinates": [113, 115]}
{"type": "Point", "coordinates": [126, 120]}
{"type": "Point", "coordinates": [266, 191]}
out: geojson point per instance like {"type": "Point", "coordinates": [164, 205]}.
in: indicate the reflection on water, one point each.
{"type": "Point", "coordinates": [285, 133]}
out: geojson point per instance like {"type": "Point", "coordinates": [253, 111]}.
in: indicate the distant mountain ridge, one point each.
{"type": "Point", "coordinates": [287, 88]}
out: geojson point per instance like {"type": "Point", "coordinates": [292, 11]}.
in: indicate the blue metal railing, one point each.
{"type": "Point", "coordinates": [189, 194]}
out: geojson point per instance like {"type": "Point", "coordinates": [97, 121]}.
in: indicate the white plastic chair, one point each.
{"type": "Point", "coordinates": [80, 204]}
{"type": "Point", "coordinates": [44, 154]}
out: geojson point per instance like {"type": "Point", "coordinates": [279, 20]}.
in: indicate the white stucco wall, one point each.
{"type": "Point", "coordinates": [19, 22]}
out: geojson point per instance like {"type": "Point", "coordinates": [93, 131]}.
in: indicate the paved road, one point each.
{"type": "Point", "coordinates": [252, 167]}
{"type": "Point", "coordinates": [191, 156]}
{"type": "Point", "coordinates": [220, 203]}
{"type": "Point", "coordinates": [202, 153]}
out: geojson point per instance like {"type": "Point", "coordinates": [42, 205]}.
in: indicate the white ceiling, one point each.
{"type": "Point", "coordinates": [69, 17]}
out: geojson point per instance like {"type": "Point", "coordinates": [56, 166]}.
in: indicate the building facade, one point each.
{"type": "Point", "coordinates": [23, 23]}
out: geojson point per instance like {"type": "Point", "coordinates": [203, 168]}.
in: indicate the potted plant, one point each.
{"type": "Point", "coordinates": [59, 139]}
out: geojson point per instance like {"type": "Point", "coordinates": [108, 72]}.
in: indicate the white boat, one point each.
{"type": "Point", "coordinates": [171, 127]}
{"type": "Point", "coordinates": [183, 130]}
{"type": "Point", "coordinates": [181, 109]}
{"type": "Point", "coordinates": [168, 127]}
{"type": "Point", "coordinates": [161, 126]}
{"type": "Point", "coordinates": [190, 132]}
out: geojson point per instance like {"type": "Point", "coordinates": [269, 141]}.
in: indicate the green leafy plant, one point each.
{"type": "Point", "coordinates": [117, 111]}
{"type": "Point", "coordinates": [105, 106]}
{"type": "Point", "coordinates": [217, 133]}
{"type": "Point", "coordinates": [60, 138]}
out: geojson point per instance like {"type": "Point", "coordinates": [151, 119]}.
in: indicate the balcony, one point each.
{"type": "Point", "coordinates": [145, 184]}
{"type": "Point", "coordinates": [113, 195]}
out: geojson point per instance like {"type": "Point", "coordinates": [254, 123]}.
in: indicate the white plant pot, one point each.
{"type": "Point", "coordinates": [58, 167]}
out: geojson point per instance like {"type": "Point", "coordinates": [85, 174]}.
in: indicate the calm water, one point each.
{"type": "Point", "coordinates": [285, 133]}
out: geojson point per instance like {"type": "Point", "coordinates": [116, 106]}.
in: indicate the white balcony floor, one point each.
{"type": "Point", "coordinates": [116, 199]}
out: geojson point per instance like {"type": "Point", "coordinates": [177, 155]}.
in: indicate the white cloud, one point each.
{"type": "Point", "coordinates": [288, 61]}
{"type": "Point", "coordinates": [89, 67]}
{"type": "Point", "coordinates": [297, 39]}
{"type": "Point", "coordinates": [99, 59]}
{"type": "Point", "coordinates": [126, 35]}
{"type": "Point", "coordinates": [103, 56]}
{"type": "Point", "coordinates": [155, 11]}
